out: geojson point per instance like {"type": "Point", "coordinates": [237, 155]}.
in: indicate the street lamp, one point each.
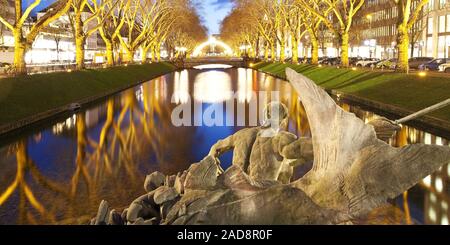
{"type": "Point", "coordinates": [181, 50]}
{"type": "Point", "coordinates": [244, 48]}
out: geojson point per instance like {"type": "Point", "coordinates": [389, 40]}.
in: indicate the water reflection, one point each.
{"type": "Point", "coordinates": [212, 87]}
{"type": "Point", "coordinates": [245, 85]}
{"type": "Point", "coordinates": [181, 91]}
{"type": "Point", "coordinates": [428, 202]}
{"type": "Point", "coordinates": [59, 174]}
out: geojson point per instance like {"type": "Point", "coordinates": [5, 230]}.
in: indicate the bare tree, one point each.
{"type": "Point", "coordinates": [24, 39]}
{"type": "Point", "coordinates": [340, 21]}
{"type": "Point", "coordinates": [86, 20]}
{"type": "Point", "coordinates": [409, 12]}
{"type": "Point", "coordinates": [111, 17]}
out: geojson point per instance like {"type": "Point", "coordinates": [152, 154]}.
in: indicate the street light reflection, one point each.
{"type": "Point", "coordinates": [212, 87]}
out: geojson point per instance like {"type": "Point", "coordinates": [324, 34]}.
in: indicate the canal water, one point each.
{"type": "Point", "coordinates": [59, 173]}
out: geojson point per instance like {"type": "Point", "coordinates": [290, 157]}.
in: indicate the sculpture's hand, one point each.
{"type": "Point", "coordinates": [213, 152]}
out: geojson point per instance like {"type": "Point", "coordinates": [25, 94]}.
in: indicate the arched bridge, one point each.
{"type": "Point", "coordinates": [202, 61]}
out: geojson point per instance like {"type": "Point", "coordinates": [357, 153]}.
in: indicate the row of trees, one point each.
{"type": "Point", "coordinates": [270, 23]}
{"type": "Point", "coordinates": [131, 25]}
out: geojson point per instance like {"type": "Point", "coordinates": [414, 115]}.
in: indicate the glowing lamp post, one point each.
{"type": "Point", "coordinates": [213, 42]}
{"type": "Point", "coordinates": [181, 50]}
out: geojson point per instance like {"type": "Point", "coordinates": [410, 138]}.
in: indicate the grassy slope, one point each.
{"type": "Point", "coordinates": [24, 96]}
{"type": "Point", "coordinates": [406, 91]}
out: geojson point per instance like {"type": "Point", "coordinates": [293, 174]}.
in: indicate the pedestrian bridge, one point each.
{"type": "Point", "coordinates": [203, 61]}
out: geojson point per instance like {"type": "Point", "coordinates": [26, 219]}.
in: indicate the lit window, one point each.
{"type": "Point", "coordinates": [430, 25]}
{"type": "Point", "coordinates": [439, 185]}
{"type": "Point", "coordinates": [432, 214]}
{"type": "Point", "coordinates": [431, 5]}
{"type": "Point", "coordinates": [448, 23]}
{"type": "Point", "coordinates": [427, 140]}
{"type": "Point", "coordinates": [444, 220]}
{"type": "Point", "coordinates": [444, 206]}
{"type": "Point", "coordinates": [441, 23]}
{"type": "Point", "coordinates": [432, 197]}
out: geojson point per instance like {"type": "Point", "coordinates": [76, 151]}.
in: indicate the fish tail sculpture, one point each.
{"type": "Point", "coordinates": [353, 170]}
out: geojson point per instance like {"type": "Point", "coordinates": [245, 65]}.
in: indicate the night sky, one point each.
{"type": "Point", "coordinates": [212, 11]}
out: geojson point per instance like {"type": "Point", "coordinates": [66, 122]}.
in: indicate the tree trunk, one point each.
{"type": "Point", "coordinates": [79, 52]}
{"type": "Point", "coordinates": [257, 49]}
{"type": "Point", "coordinates": [294, 50]}
{"type": "Point", "coordinates": [253, 51]}
{"type": "Point", "coordinates": [20, 48]}
{"type": "Point", "coordinates": [109, 53]}
{"type": "Point", "coordinates": [266, 52]}
{"type": "Point", "coordinates": [282, 51]}
{"type": "Point", "coordinates": [273, 52]}
{"type": "Point", "coordinates": [402, 46]}
{"type": "Point", "coordinates": [344, 49]}
{"type": "Point", "coordinates": [158, 52]}
{"type": "Point", "coordinates": [144, 54]}
{"type": "Point", "coordinates": [153, 54]}
{"type": "Point", "coordinates": [130, 56]}
{"type": "Point", "coordinates": [314, 50]}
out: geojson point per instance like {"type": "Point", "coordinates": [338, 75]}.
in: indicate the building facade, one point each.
{"type": "Point", "coordinates": [6, 37]}
{"type": "Point", "coordinates": [374, 33]}
{"type": "Point", "coordinates": [374, 30]}
{"type": "Point", "coordinates": [54, 44]}
{"type": "Point", "coordinates": [436, 37]}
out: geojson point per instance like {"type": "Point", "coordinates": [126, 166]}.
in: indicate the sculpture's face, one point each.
{"type": "Point", "coordinates": [275, 115]}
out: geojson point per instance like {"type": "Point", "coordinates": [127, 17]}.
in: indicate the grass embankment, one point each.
{"type": "Point", "coordinates": [410, 92]}
{"type": "Point", "coordinates": [24, 96]}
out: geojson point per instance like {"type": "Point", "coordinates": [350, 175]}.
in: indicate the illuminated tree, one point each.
{"type": "Point", "coordinates": [293, 16]}
{"type": "Point", "coordinates": [85, 19]}
{"type": "Point", "coordinates": [164, 20]}
{"type": "Point", "coordinates": [186, 32]}
{"type": "Point", "coordinates": [113, 15]}
{"type": "Point", "coordinates": [252, 23]}
{"type": "Point", "coordinates": [313, 25]}
{"type": "Point", "coordinates": [140, 20]}
{"type": "Point", "coordinates": [25, 33]}
{"type": "Point", "coordinates": [338, 19]}
{"type": "Point", "coordinates": [241, 34]}
{"type": "Point", "coordinates": [408, 14]}
{"type": "Point", "coordinates": [5, 13]}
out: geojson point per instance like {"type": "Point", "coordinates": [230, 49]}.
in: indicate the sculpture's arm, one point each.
{"type": "Point", "coordinates": [222, 146]}
{"type": "Point", "coordinates": [299, 149]}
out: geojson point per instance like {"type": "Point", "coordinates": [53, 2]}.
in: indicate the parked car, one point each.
{"type": "Point", "coordinates": [322, 59]}
{"type": "Point", "coordinates": [415, 62]}
{"type": "Point", "coordinates": [4, 65]}
{"type": "Point", "coordinates": [332, 61]}
{"type": "Point", "coordinates": [366, 62]}
{"type": "Point", "coordinates": [375, 64]}
{"type": "Point", "coordinates": [433, 65]}
{"type": "Point", "coordinates": [445, 67]}
{"type": "Point", "coordinates": [387, 63]}
{"type": "Point", "coordinates": [306, 60]}
{"type": "Point", "coordinates": [353, 60]}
